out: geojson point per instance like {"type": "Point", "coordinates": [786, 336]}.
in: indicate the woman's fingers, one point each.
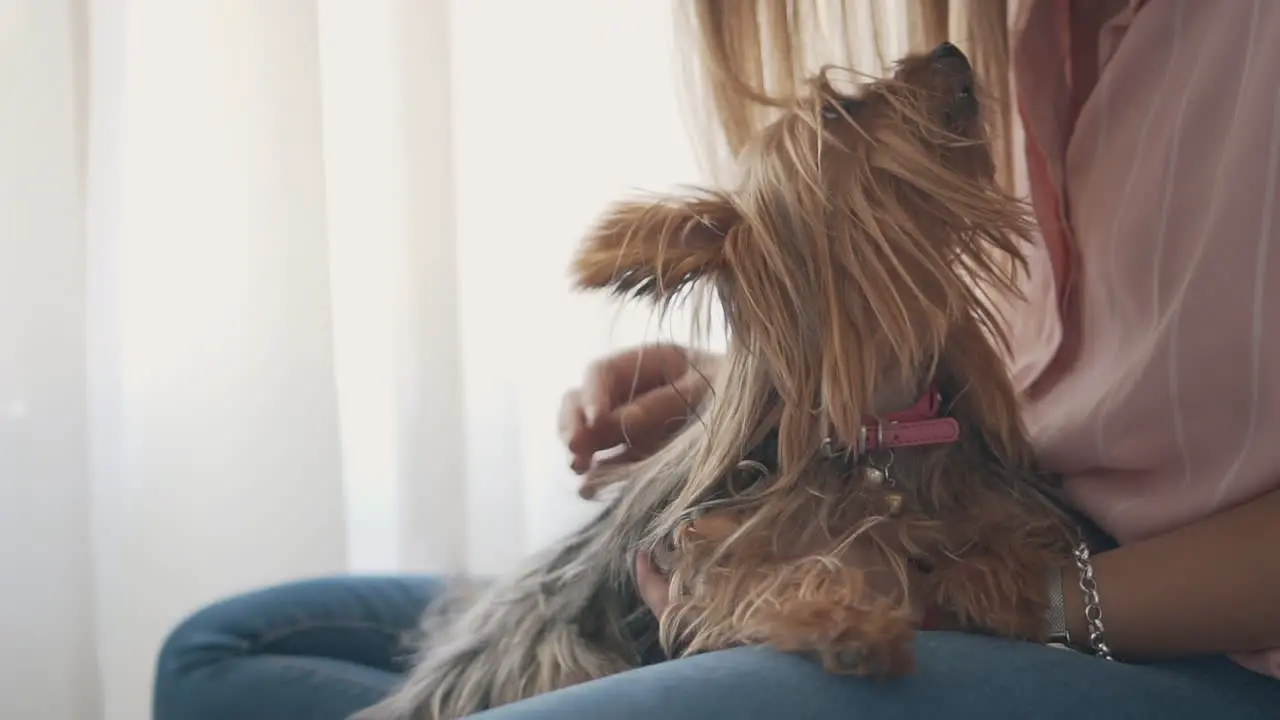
{"type": "Point", "coordinates": [628, 401]}
{"type": "Point", "coordinates": [641, 427]}
{"type": "Point", "coordinates": [572, 424]}
{"type": "Point", "coordinates": [615, 380]}
{"type": "Point", "coordinates": [597, 475]}
{"type": "Point", "coordinates": [570, 419]}
{"type": "Point", "coordinates": [646, 422]}
{"type": "Point", "coordinates": [654, 587]}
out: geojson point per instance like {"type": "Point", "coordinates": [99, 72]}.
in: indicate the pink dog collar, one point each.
{"type": "Point", "coordinates": [915, 426]}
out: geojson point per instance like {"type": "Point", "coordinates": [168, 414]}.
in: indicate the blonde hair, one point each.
{"type": "Point", "coordinates": [749, 56]}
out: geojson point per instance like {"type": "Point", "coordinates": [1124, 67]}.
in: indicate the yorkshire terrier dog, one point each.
{"type": "Point", "coordinates": [861, 456]}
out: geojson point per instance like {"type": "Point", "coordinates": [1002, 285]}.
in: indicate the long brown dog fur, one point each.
{"type": "Point", "coordinates": [855, 262]}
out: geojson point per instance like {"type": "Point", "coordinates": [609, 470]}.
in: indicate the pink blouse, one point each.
{"type": "Point", "coordinates": [1150, 354]}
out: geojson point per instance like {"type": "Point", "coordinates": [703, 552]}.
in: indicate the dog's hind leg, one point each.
{"type": "Point", "coordinates": [560, 623]}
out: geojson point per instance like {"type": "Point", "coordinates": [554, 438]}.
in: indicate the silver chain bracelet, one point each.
{"type": "Point", "coordinates": [1092, 603]}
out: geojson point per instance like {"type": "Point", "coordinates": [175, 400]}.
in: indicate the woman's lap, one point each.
{"type": "Point", "coordinates": [963, 677]}
{"type": "Point", "coordinates": [319, 650]}
{"type": "Point", "coordinates": [311, 650]}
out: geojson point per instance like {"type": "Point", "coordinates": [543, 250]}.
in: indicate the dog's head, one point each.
{"type": "Point", "coordinates": [853, 258]}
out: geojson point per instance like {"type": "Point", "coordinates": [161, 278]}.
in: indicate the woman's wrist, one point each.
{"type": "Point", "coordinates": [1082, 605]}
{"type": "Point", "coordinates": [1073, 606]}
{"type": "Point", "coordinates": [1057, 630]}
{"type": "Point", "coordinates": [1210, 587]}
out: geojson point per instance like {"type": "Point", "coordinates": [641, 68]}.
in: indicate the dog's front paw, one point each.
{"type": "Point", "coordinates": [871, 641]}
{"type": "Point", "coordinates": [834, 614]}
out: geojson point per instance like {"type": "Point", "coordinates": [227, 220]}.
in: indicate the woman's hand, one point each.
{"type": "Point", "coordinates": [653, 585]}
{"type": "Point", "coordinates": [637, 399]}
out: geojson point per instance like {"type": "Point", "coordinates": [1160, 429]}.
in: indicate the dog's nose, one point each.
{"type": "Point", "coordinates": [950, 58]}
{"type": "Point", "coordinates": [947, 50]}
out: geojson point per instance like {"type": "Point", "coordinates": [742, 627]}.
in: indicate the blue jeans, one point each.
{"type": "Point", "coordinates": [322, 649]}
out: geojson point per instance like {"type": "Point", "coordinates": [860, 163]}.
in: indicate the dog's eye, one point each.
{"type": "Point", "coordinates": [832, 111]}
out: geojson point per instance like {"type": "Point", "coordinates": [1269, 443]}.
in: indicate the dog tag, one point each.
{"type": "Point", "coordinates": [894, 501]}
{"type": "Point", "coordinates": [876, 476]}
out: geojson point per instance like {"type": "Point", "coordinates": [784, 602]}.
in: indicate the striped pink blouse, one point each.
{"type": "Point", "coordinates": [1151, 351]}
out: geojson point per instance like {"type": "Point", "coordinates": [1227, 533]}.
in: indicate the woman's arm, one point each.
{"type": "Point", "coordinates": [1210, 587]}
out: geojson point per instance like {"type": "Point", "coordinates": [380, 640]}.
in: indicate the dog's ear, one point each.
{"type": "Point", "coordinates": [655, 248]}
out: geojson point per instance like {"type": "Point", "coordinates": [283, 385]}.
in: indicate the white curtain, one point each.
{"type": "Point", "coordinates": [283, 293]}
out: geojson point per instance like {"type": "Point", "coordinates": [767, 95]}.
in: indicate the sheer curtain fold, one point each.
{"type": "Point", "coordinates": [220, 448]}
{"type": "Point", "coordinates": [283, 293]}
{"type": "Point", "coordinates": [388, 162]}
{"type": "Point", "coordinates": [46, 561]}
